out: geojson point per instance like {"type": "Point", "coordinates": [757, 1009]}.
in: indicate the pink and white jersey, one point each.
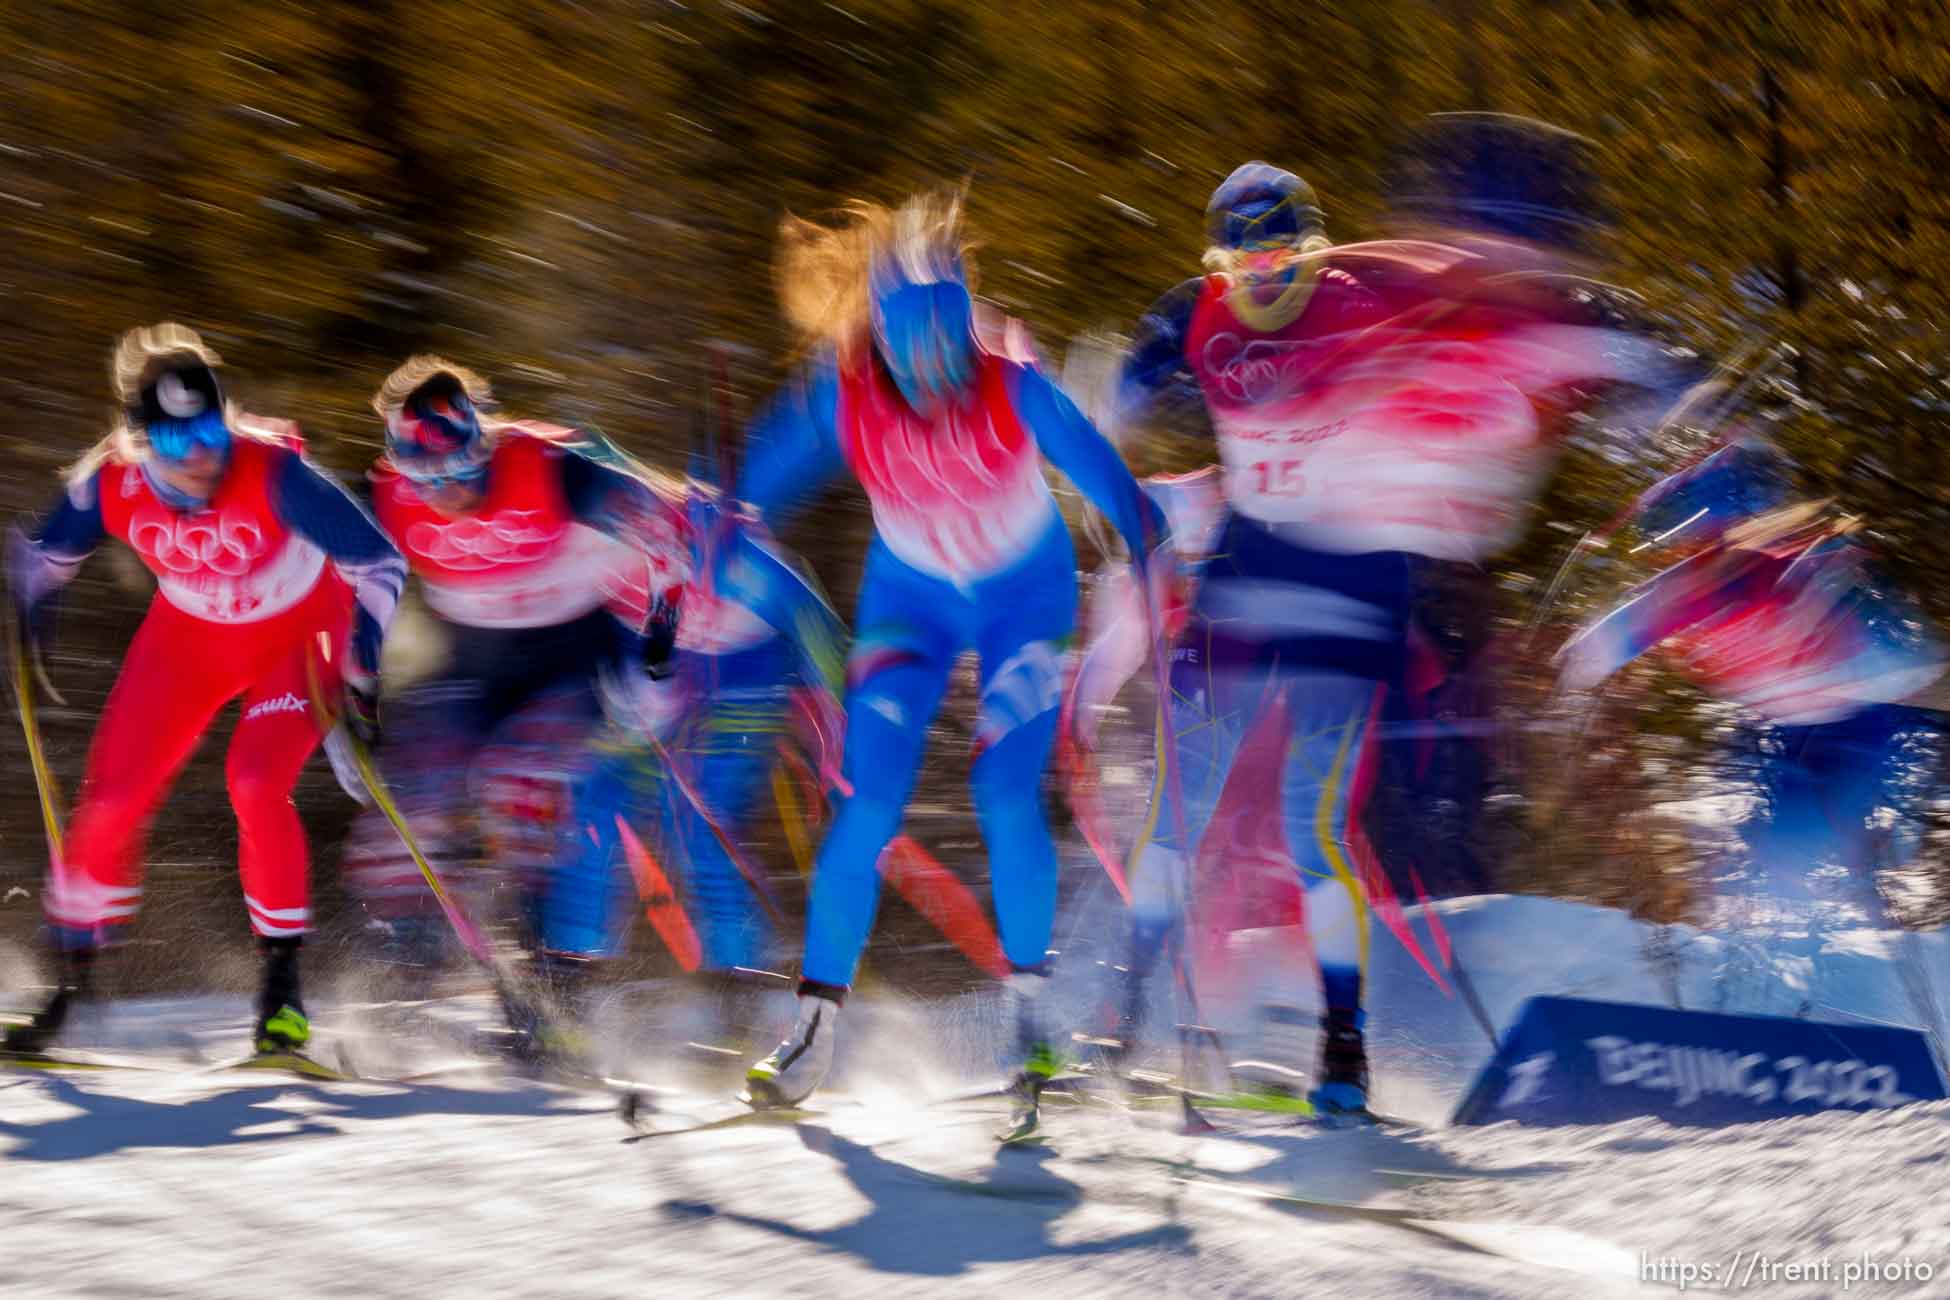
{"type": "Point", "coordinates": [1398, 411]}
{"type": "Point", "coordinates": [230, 561]}
{"type": "Point", "coordinates": [1796, 630]}
{"type": "Point", "coordinates": [520, 559]}
{"type": "Point", "coordinates": [1812, 645]}
{"type": "Point", "coordinates": [960, 495]}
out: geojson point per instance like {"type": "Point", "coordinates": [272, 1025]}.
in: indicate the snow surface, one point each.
{"type": "Point", "coordinates": [174, 1183]}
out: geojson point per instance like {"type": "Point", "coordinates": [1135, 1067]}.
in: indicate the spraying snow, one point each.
{"type": "Point", "coordinates": [170, 1181]}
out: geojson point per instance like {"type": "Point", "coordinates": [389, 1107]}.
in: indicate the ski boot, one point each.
{"type": "Point", "coordinates": [74, 983]}
{"type": "Point", "coordinates": [1026, 1094]}
{"type": "Point", "coordinates": [798, 1065]}
{"type": "Point", "coordinates": [1342, 1086]}
{"type": "Point", "coordinates": [1034, 1049]}
{"type": "Point", "coordinates": [282, 1028]}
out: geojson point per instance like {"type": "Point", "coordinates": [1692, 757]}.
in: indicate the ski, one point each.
{"type": "Point", "coordinates": [1265, 1103]}
{"type": "Point", "coordinates": [738, 1119]}
{"type": "Point", "coordinates": [1021, 1130]}
{"type": "Point", "coordinates": [1148, 1089]}
{"type": "Point", "coordinates": [1299, 1108]}
{"type": "Point", "coordinates": [494, 1051]}
{"type": "Point", "coordinates": [1065, 1086]}
{"type": "Point", "coordinates": [55, 1062]}
{"type": "Point", "coordinates": [291, 1062]}
{"type": "Point", "coordinates": [634, 1100]}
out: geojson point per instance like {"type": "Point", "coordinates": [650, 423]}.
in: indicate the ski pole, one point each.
{"type": "Point", "coordinates": [44, 783]}
{"type": "Point", "coordinates": [1171, 786]}
{"type": "Point", "coordinates": [1467, 987]}
{"type": "Point", "coordinates": [470, 935]}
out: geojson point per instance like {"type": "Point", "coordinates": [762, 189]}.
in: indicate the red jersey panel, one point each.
{"type": "Point", "coordinates": [1400, 410]}
{"type": "Point", "coordinates": [230, 561]}
{"type": "Point", "coordinates": [959, 495]}
{"type": "Point", "coordinates": [520, 559]}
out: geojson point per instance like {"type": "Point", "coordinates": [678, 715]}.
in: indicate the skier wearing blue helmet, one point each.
{"type": "Point", "coordinates": [1376, 408]}
{"type": "Point", "coordinates": [940, 412]}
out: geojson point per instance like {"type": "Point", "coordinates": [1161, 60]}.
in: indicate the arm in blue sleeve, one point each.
{"type": "Point", "coordinates": [793, 448]}
{"type": "Point", "coordinates": [56, 547]}
{"type": "Point", "coordinates": [1086, 457]}
{"type": "Point", "coordinates": [1156, 369]}
{"type": "Point", "coordinates": [762, 580]}
{"type": "Point", "coordinates": [325, 514]}
{"type": "Point", "coordinates": [41, 563]}
{"type": "Point", "coordinates": [626, 508]}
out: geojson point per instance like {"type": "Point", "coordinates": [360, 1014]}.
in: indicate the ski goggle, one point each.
{"type": "Point", "coordinates": [1262, 211]}
{"type": "Point", "coordinates": [176, 440]}
{"type": "Point", "coordinates": [434, 472]}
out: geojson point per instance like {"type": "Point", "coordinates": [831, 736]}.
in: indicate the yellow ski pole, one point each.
{"type": "Point", "coordinates": [44, 783]}
{"type": "Point", "coordinates": [470, 935]}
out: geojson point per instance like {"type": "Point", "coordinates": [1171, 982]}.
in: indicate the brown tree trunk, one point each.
{"type": "Point", "coordinates": [1475, 77]}
{"type": "Point", "coordinates": [1780, 174]}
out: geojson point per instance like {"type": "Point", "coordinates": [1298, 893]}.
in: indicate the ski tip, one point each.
{"type": "Point", "coordinates": [781, 1115]}
{"type": "Point", "coordinates": [296, 1063]}
{"type": "Point", "coordinates": [45, 1061]}
{"type": "Point", "coordinates": [762, 1095]}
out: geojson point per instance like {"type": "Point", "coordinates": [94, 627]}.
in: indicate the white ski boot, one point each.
{"type": "Point", "coordinates": [798, 1065]}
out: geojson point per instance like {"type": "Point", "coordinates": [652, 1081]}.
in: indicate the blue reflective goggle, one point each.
{"type": "Point", "coordinates": [441, 482]}
{"type": "Point", "coordinates": [434, 472]}
{"type": "Point", "coordinates": [176, 439]}
{"type": "Point", "coordinates": [1262, 224]}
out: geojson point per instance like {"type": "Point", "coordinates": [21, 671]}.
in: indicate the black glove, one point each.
{"type": "Point", "coordinates": [659, 648]}
{"type": "Point", "coordinates": [361, 716]}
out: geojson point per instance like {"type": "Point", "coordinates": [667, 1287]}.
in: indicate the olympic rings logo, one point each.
{"type": "Point", "coordinates": [1264, 370]}
{"type": "Point", "coordinates": [227, 546]}
{"type": "Point", "coordinates": [471, 544]}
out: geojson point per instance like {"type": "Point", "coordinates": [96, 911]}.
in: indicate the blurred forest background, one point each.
{"type": "Point", "coordinates": [578, 197]}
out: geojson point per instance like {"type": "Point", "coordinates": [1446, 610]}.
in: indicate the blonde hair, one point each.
{"type": "Point", "coordinates": [140, 355]}
{"type": "Point", "coordinates": [826, 273]}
